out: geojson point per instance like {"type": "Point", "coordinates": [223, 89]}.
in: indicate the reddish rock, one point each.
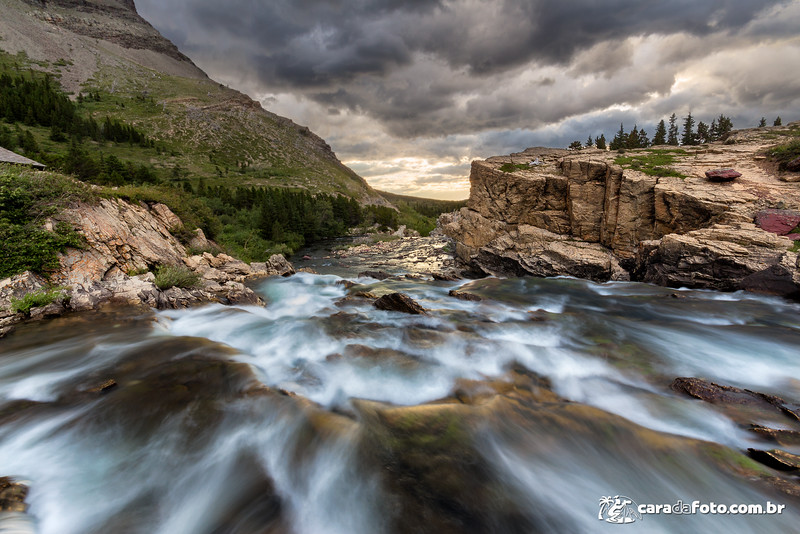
{"type": "Point", "coordinates": [794, 165]}
{"type": "Point", "coordinates": [779, 222]}
{"type": "Point", "coordinates": [722, 175]}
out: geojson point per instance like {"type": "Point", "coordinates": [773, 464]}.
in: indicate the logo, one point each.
{"type": "Point", "coordinates": [619, 510]}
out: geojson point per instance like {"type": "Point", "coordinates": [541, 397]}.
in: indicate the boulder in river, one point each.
{"type": "Point", "coordinates": [377, 275]}
{"type": "Point", "coordinates": [400, 302]}
{"type": "Point", "coordinates": [12, 495]}
{"type": "Point", "coordinates": [464, 295]}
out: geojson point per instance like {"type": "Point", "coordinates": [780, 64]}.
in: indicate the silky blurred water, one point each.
{"type": "Point", "coordinates": [161, 460]}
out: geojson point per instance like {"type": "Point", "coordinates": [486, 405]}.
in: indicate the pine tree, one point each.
{"type": "Point", "coordinates": [589, 142]}
{"type": "Point", "coordinates": [575, 145]}
{"type": "Point", "coordinates": [762, 122]}
{"type": "Point", "coordinates": [688, 137]}
{"type": "Point", "coordinates": [644, 142]}
{"type": "Point", "coordinates": [778, 121]}
{"type": "Point", "coordinates": [601, 142]}
{"type": "Point", "coordinates": [724, 127]}
{"type": "Point", "coordinates": [620, 140]}
{"type": "Point", "coordinates": [633, 138]}
{"type": "Point", "coordinates": [673, 130]}
{"type": "Point", "coordinates": [660, 137]}
{"type": "Point", "coordinates": [703, 135]}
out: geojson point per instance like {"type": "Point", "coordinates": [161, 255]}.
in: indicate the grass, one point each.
{"type": "Point", "coordinates": [36, 299]}
{"type": "Point", "coordinates": [27, 199]}
{"type": "Point", "coordinates": [513, 167]}
{"type": "Point", "coordinates": [168, 276]}
{"type": "Point", "coordinates": [783, 154]}
{"type": "Point", "coordinates": [653, 163]}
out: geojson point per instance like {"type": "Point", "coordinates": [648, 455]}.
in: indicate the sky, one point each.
{"type": "Point", "coordinates": [408, 92]}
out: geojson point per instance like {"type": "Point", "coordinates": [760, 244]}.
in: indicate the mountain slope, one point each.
{"type": "Point", "coordinates": [206, 130]}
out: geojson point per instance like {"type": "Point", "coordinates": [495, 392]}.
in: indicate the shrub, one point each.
{"type": "Point", "coordinates": [168, 276]}
{"type": "Point", "coordinates": [36, 299]}
{"type": "Point", "coordinates": [783, 154]}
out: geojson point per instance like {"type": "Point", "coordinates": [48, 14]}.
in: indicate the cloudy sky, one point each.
{"type": "Point", "coordinates": [408, 92]}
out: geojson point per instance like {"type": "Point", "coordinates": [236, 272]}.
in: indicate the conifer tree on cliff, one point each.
{"type": "Point", "coordinates": [620, 140]}
{"type": "Point", "coordinates": [633, 138]}
{"type": "Point", "coordinates": [673, 130]}
{"type": "Point", "coordinates": [688, 137]}
{"type": "Point", "coordinates": [644, 142]}
{"type": "Point", "coordinates": [778, 121]}
{"type": "Point", "coordinates": [601, 142]}
{"type": "Point", "coordinates": [762, 122]}
{"type": "Point", "coordinates": [703, 135]}
{"type": "Point", "coordinates": [660, 137]}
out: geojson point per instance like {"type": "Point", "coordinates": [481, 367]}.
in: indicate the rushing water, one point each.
{"type": "Point", "coordinates": [189, 443]}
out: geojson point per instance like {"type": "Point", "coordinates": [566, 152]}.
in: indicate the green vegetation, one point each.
{"type": "Point", "coordinates": [637, 138]}
{"type": "Point", "coordinates": [27, 199]}
{"type": "Point", "coordinates": [513, 167]}
{"type": "Point", "coordinates": [420, 214]}
{"type": "Point", "coordinates": [653, 162]}
{"type": "Point", "coordinates": [36, 299]}
{"type": "Point", "coordinates": [783, 154]}
{"type": "Point", "coordinates": [168, 276]}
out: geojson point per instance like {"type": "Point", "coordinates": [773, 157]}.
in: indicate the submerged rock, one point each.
{"type": "Point", "coordinates": [464, 295]}
{"type": "Point", "coordinates": [400, 302]}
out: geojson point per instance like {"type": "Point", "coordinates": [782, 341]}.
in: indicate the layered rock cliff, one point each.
{"type": "Point", "coordinates": [578, 213]}
{"type": "Point", "coordinates": [124, 243]}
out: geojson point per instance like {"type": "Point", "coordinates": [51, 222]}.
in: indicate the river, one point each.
{"type": "Point", "coordinates": [295, 417]}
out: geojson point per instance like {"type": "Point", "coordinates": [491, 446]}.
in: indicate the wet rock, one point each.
{"type": "Point", "coordinates": [379, 357]}
{"type": "Point", "coordinates": [12, 495]}
{"type": "Point", "coordinates": [54, 309]}
{"type": "Point", "coordinates": [103, 387]}
{"type": "Point", "coordinates": [464, 295]}
{"type": "Point", "coordinates": [722, 175]}
{"type": "Point", "coordinates": [446, 276]}
{"type": "Point", "coordinates": [776, 459]}
{"type": "Point", "coordinates": [346, 283]}
{"type": "Point", "coordinates": [399, 302]}
{"type": "Point", "coordinates": [721, 257]}
{"type": "Point", "coordinates": [757, 405]}
{"type": "Point", "coordinates": [780, 436]}
{"type": "Point", "coordinates": [365, 295]}
{"type": "Point", "coordinates": [377, 275]}
{"type": "Point", "coordinates": [716, 393]}
{"type": "Point", "coordinates": [794, 165]}
{"type": "Point", "coordinates": [780, 222]}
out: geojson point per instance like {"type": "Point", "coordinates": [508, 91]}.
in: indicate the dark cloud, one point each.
{"type": "Point", "coordinates": [464, 78]}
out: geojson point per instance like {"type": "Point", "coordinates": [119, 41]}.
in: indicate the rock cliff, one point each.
{"type": "Point", "coordinates": [121, 240]}
{"type": "Point", "coordinates": [550, 212]}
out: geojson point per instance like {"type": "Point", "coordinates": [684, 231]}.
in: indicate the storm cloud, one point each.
{"type": "Point", "coordinates": [380, 78]}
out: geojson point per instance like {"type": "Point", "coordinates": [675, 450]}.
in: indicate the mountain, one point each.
{"type": "Point", "coordinates": [202, 129]}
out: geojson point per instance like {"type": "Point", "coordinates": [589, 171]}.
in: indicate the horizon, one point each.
{"type": "Point", "coordinates": [409, 93]}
